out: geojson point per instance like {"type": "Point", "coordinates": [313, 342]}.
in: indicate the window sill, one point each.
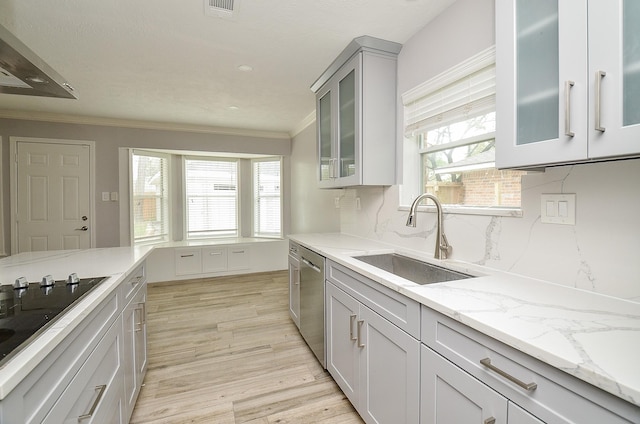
{"type": "Point", "coordinates": [464, 210]}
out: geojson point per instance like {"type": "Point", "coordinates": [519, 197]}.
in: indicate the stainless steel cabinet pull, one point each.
{"type": "Point", "coordinates": [599, 76]}
{"type": "Point", "coordinates": [143, 315]}
{"type": "Point", "coordinates": [360, 323]}
{"type": "Point", "coordinates": [352, 318]}
{"type": "Point", "coordinates": [83, 228]}
{"type": "Point", "coordinates": [490, 420]}
{"type": "Point", "coordinates": [100, 390]}
{"type": "Point", "coordinates": [237, 251]}
{"type": "Point", "coordinates": [527, 386]}
{"type": "Point", "coordinates": [296, 277]}
{"type": "Point", "coordinates": [186, 256]}
{"type": "Point", "coordinates": [567, 108]}
{"type": "Point", "coordinates": [215, 253]}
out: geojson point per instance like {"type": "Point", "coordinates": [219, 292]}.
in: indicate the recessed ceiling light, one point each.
{"type": "Point", "coordinates": [234, 107]}
{"type": "Point", "coordinates": [37, 80]}
{"type": "Point", "coordinates": [245, 68]}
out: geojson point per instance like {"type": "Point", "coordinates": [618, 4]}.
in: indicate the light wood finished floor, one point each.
{"type": "Point", "coordinates": [224, 350]}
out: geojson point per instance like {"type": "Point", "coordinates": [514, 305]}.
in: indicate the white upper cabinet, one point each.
{"type": "Point", "coordinates": [356, 115]}
{"type": "Point", "coordinates": [568, 81]}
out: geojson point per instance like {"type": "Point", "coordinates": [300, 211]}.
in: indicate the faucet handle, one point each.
{"type": "Point", "coordinates": [445, 247]}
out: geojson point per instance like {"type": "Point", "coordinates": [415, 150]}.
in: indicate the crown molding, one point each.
{"type": "Point", "coordinates": [302, 125]}
{"type": "Point", "coordinates": [129, 123]}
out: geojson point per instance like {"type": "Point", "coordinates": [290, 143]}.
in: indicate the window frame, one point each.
{"type": "Point", "coordinates": [413, 167]}
{"type": "Point", "coordinates": [254, 196]}
{"type": "Point", "coordinates": [185, 200]}
{"type": "Point", "coordinates": [167, 196]}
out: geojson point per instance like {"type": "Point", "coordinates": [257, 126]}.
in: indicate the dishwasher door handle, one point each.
{"type": "Point", "coordinates": [311, 265]}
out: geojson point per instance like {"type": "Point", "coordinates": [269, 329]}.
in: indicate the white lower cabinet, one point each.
{"type": "Point", "coordinates": [206, 260]}
{"type": "Point", "coordinates": [95, 373]}
{"type": "Point", "coordinates": [450, 395]}
{"type": "Point", "coordinates": [294, 288]}
{"type": "Point", "coordinates": [134, 360]}
{"type": "Point", "coordinates": [94, 395]}
{"type": "Point", "coordinates": [468, 377]}
{"type": "Point", "coordinates": [373, 361]}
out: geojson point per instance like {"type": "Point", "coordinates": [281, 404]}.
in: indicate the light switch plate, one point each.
{"type": "Point", "coordinates": [558, 209]}
{"type": "Point", "coordinates": [105, 196]}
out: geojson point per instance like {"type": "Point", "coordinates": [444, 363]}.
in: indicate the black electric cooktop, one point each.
{"type": "Point", "coordinates": [26, 312]}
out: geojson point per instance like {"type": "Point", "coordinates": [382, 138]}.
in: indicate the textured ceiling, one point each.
{"type": "Point", "coordinates": [166, 61]}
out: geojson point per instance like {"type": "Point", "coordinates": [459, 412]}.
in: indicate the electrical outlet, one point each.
{"type": "Point", "coordinates": [105, 196]}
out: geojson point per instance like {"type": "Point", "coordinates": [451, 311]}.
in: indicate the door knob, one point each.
{"type": "Point", "coordinates": [83, 228]}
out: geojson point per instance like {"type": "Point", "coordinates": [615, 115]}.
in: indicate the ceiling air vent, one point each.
{"type": "Point", "coordinates": [221, 8]}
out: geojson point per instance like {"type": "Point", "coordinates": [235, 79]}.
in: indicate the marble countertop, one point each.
{"type": "Point", "coordinates": [116, 263]}
{"type": "Point", "coordinates": [593, 337]}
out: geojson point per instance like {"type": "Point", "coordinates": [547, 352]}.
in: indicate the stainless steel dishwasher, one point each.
{"type": "Point", "coordinates": [312, 302]}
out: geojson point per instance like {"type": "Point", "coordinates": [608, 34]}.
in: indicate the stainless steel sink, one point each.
{"type": "Point", "coordinates": [412, 269]}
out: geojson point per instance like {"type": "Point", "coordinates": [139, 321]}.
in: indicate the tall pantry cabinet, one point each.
{"type": "Point", "coordinates": [568, 81]}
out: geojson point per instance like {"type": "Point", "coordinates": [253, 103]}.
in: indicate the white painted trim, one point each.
{"type": "Point", "coordinates": [127, 123]}
{"type": "Point", "coordinates": [13, 179]}
{"type": "Point", "coordinates": [473, 64]}
{"type": "Point", "coordinates": [302, 125]}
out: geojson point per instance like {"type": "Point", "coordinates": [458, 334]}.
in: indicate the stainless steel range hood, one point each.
{"type": "Point", "coordinates": [23, 72]}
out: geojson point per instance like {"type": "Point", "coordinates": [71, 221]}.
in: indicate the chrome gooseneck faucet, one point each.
{"type": "Point", "coordinates": [443, 249]}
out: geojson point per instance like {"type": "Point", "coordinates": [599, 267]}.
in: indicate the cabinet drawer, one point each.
{"type": "Point", "coordinates": [400, 310]}
{"type": "Point", "coordinates": [557, 397]}
{"type": "Point", "coordinates": [132, 283]}
{"type": "Point", "coordinates": [214, 259]}
{"type": "Point", "coordinates": [90, 396]}
{"type": "Point", "coordinates": [238, 257]}
{"type": "Point", "coordinates": [188, 261]}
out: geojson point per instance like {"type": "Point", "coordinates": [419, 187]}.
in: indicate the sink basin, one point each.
{"type": "Point", "coordinates": [412, 269]}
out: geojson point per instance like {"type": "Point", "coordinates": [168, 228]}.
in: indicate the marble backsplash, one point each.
{"type": "Point", "coordinates": [600, 253]}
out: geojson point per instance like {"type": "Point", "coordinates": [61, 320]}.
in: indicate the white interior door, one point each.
{"type": "Point", "coordinates": [53, 196]}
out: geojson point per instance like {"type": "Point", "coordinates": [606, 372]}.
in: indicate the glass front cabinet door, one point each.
{"type": "Point", "coordinates": [565, 75]}
{"type": "Point", "coordinates": [356, 116]}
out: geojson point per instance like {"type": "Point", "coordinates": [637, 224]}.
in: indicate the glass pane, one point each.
{"type": "Point", "coordinates": [466, 175]}
{"type": "Point", "coordinates": [631, 63]}
{"type": "Point", "coordinates": [325, 136]}
{"type": "Point", "coordinates": [150, 199]}
{"type": "Point", "coordinates": [211, 190]}
{"type": "Point", "coordinates": [537, 70]}
{"type": "Point", "coordinates": [348, 125]}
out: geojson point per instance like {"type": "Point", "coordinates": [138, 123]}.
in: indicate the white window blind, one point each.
{"type": "Point", "coordinates": [211, 191]}
{"type": "Point", "coordinates": [150, 195]}
{"type": "Point", "coordinates": [463, 92]}
{"type": "Point", "coordinates": [267, 183]}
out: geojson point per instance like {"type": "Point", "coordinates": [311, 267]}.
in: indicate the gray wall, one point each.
{"type": "Point", "coordinates": [108, 139]}
{"type": "Point", "coordinates": [312, 209]}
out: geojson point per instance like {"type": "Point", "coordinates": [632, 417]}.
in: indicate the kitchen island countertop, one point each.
{"type": "Point", "coordinates": [591, 336]}
{"type": "Point", "coordinates": [116, 263]}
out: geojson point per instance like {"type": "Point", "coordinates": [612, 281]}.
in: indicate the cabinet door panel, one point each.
{"type": "Point", "coordinates": [541, 74]}
{"type": "Point", "coordinates": [614, 48]}
{"type": "Point", "coordinates": [450, 395]}
{"type": "Point", "coordinates": [342, 349]}
{"type": "Point", "coordinates": [325, 134]}
{"type": "Point", "coordinates": [294, 290]}
{"type": "Point", "coordinates": [389, 369]}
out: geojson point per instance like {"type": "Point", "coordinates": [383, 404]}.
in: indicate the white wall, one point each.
{"type": "Point", "coordinates": [599, 253]}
